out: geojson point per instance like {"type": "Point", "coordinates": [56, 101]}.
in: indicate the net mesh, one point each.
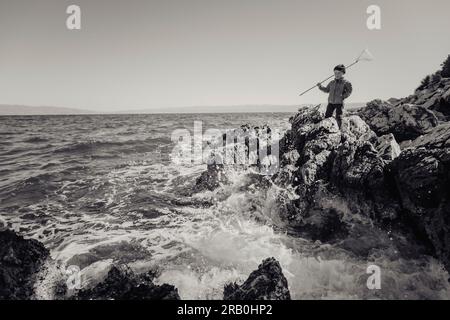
{"type": "Point", "coordinates": [365, 56]}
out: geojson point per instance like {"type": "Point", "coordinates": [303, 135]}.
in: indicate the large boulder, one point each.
{"type": "Point", "coordinates": [265, 283]}
{"type": "Point", "coordinates": [20, 260]}
{"type": "Point", "coordinates": [422, 176]}
{"type": "Point", "coordinates": [404, 121]}
{"type": "Point", "coordinates": [122, 284]}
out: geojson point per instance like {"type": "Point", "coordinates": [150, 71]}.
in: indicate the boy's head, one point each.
{"type": "Point", "coordinates": [339, 71]}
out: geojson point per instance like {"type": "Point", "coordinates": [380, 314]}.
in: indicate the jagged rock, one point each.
{"type": "Point", "coordinates": [358, 184]}
{"type": "Point", "coordinates": [315, 147]}
{"type": "Point", "coordinates": [210, 179]}
{"type": "Point", "coordinates": [435, 97]}
{"type": "Point", "coordinates": [306, 115]}
{"type": "Point", "coordinates": [359, 174]}
{"type": "Point", "coordinates": [387, 147]}
{"type": "Point", "coordinates": [316, 214]}
{"type": "Point", "coordinates": [337, 172]}
{"type": "Point", "coordinates": [266, 283]}
{"type": "Point", "coordinates": [311, 215]}
{"type": "Point", "coordinates": [355, 129]}
{"type": "Point", "coordinates": [405, 121]}
{"type": "Point", "coordinates": [123, 284]}
{"type": "Point", "coordinates": [422, 175]}
{"type": "Point", "coordinates": [246, 146]}
{"type": "Point", "coordinates": [20, 260]}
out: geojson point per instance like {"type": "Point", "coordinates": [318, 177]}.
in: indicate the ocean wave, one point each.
{"type": "Point", "coordinates": [35, 140]}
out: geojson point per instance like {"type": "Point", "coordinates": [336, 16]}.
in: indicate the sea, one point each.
{"type": "Point", "coordinates": [99, 190]}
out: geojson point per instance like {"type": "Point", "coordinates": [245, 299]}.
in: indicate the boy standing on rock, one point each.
{"type": "Point", "coordinates": [339, 89]}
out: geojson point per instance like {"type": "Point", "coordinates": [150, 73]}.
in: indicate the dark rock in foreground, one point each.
{"type": "Point", "coordinates": [122, 284]}
{"type": "Point", "coordinates": [20, 260]}
{"type": "Point", "coordinates": [266, 283]}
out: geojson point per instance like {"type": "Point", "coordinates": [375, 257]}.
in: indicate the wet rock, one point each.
{"type": "Point", "coordinates": [20, 260]}
{"type": "Point", "coordinates": [405, 121]}
{"type": "Point", "coordinates": [364, 239]}
{"type": "Point", "coordinates": [210, 179]}
{"type": "Point", "coordinates": [317, 213]}
{"type": "Point", "coordinates": [121, 252]}
{"type": "Point", "coordinates": [324, 224]}
{"type": "Point", "coordinates": [122, 284]}
{"type": "Point", "coordinates": [265, 283]}
{"type": "Point", "coordinates": [240, 148]}
{"type": "Point", "coordinates": [422, 176]}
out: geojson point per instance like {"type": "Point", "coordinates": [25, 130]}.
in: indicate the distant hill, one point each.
{"type": "Point", "coordinates": [228, 109]}
{"type": "Point", "coordinates": [216, 109]}
{"type": "Point", "coordinates": [25, 110]}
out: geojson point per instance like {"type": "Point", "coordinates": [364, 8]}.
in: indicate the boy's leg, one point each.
{"type": "Point", "coordinates": [339, 111]}
{"type": "Point", "coordinates": [330, 110]}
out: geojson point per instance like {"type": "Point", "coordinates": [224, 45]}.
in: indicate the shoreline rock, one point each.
{"type": "Point", "coordinates": [265, 283]}
{"type": "Point", "coordinates": [122, 284]}
{"type": "Point", "coordinates": [20, 261]}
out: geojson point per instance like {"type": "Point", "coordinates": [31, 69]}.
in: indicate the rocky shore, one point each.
{"type": "Point", "coordinates": [21, 261]}
{"type": "Point", "coordinates": [389, 163]}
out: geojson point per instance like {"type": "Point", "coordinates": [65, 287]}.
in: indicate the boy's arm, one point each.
{"type": "Point", "coordinates": [347, 90]}
{"type": "Point", "coordinates": [324, 89]}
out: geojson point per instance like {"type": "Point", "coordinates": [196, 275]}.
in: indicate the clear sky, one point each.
{"type": "Point", "coordinates": [161, 53]}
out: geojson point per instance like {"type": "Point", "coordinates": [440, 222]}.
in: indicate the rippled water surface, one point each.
{"type": "Point", "coordinates": [98, 190]}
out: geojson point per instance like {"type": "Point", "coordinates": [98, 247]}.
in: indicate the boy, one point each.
{"type": "Point", "coordinates": [339, 89]}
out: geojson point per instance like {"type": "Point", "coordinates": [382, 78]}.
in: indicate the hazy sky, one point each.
{"type": "Point", "coordinates": [160, 53]}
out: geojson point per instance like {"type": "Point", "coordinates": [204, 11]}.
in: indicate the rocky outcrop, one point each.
{"type": "Point", "coordinates": [246, 146]}
{"type": "Point", "coordinates": [20, 260]}
{"type": "Point", "coordinates": [338, 171]}
{"type": "Point", "coordinates": [122, 284]}
{"type": "Point", "coordinates": [265, 283]}
{"type": "Point", "coordinates": [412, 116]}
{"type": "Point", "coordinates": [422, 176]}
{"type": "Point", "coordinates": [435, 97]}
{"type": "Point", "coordinates": [404, 121]}
{"type": "Point", "coordinates": [361, 170]}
